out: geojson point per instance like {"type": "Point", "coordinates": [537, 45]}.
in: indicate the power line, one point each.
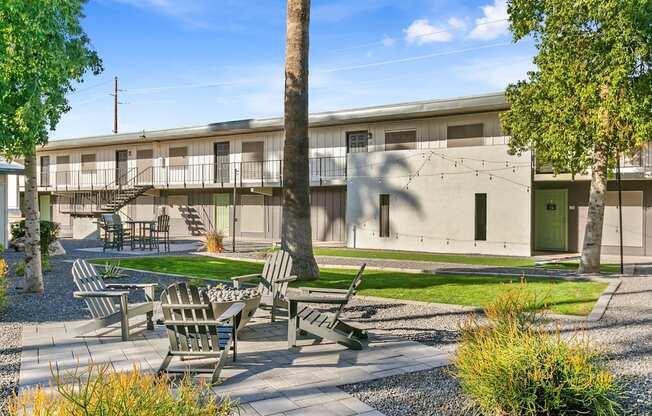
{"type": "Point", "coordinates": [413, 58]}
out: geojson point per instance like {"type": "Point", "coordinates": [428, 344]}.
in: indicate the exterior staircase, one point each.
{"type": "Point", "coordinates": [108, 200]}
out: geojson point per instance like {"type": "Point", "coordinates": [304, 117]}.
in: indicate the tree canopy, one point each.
{"type": "Point", "coordinates": [44, 52]}
{"type": "Point", "coordinates": [592, 89]}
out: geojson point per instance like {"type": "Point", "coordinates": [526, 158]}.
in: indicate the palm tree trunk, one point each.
{"type": "Point", "coordinates": [296, 235]}
{"type": "Point", "coordinates": [33, 272]}
{"type": "Point", "coordinates": [590, 260]}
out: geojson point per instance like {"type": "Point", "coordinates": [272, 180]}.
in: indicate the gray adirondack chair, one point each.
{"type": "Point", "coordinates": [108, 303]}
{"type": "Point", "coordinates": [273, 281]}
{"type": "Point", "coordinates": [194, 331]}
{"type": "Point", "coordinates": [322, 324]}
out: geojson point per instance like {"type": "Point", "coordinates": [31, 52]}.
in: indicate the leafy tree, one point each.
{"type": "Point", "coordinates": [590, 98]}
{"type": "Point", "coordinates": [297, 232]}
{"type": "Point", "coordinates": [43, 52]}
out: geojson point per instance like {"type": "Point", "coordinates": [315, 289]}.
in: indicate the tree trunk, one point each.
{"type": "Point", "coordinates": [590, 260]}
{"type": "Point", "coordinates": [33, 273]}
{"type": "Point", "coordinates": [296, 235]}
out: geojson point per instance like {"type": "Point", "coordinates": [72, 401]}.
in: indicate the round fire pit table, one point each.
{"type": "Point", "coordinates": [222, 297]}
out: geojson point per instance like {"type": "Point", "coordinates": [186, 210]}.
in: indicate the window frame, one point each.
{"type": "Point", "coordinates": [85, 164]}
{"type": "Point", "coordinates": [480, 217]}
{"type": "Point", "coordinates": [401, 145]}
{"type": "Point", "coordinates": [384, 230]}
{"type": "Point", "coordinates": [352, 135]}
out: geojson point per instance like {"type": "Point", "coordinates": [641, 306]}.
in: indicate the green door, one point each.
{"type": "Point", "coordinates": [551, 219]}
{"type": "Point", "coordinates": [222, 202]}
{"type": "Point", "coordinates": [44, 207]}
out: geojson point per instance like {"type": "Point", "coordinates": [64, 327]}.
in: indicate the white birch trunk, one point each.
{"type": "Point", "coordinates": [33, 272]}
{"type": "Point", "coordinates": [590, 260]}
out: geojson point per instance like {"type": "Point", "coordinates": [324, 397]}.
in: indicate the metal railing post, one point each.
{"type": "Point", "coordinates": [321, 182]}
{"type": "Point", "coordinates": [262, 173]}
{"type": "Point", "coordinates": [280, 172]}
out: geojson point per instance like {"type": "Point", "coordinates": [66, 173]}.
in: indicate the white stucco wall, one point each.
{"type": "Point", "coordinates": [435, 213]}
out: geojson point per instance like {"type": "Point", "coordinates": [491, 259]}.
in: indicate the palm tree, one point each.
{"type": "Point", "coordinates": [297, 233]}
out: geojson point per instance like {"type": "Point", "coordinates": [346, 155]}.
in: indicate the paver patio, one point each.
{"type": "Point", "coordinates": [267, 378]}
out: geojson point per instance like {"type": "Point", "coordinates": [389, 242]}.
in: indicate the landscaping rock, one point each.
{"type": "Point", "coordinates": [56, 249]}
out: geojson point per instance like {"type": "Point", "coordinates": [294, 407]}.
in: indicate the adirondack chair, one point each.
{"type": "Point", "coordinates": [321, 324]}
{"type": "Point", "coordinates": [273, 281]}
{"type": "Point", "coordinates": [194, 331]}
{"type": "Point", "coordinates": [101, 300]}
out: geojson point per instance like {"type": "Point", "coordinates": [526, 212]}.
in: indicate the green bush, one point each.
{"type": "Point", "coordinates": [97, 391]}
{"type": "Point", "coordinates": [20, 268]}
{"type": "Point", "coordinates": [512, 367]}
{"type": "Point", "coordinates": [49, 233]}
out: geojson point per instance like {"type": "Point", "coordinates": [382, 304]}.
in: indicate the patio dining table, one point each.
{"type": "Point", "coordinates": [139, 233]}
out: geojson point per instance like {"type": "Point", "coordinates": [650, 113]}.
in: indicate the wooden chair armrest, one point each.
{"type": "Point", "coordinates": [287, 279]}
{"type": "Point", "coordinates": [101, 294]}
{"type": "Point", "coordinates": [317, 299]}
{"type": "Point", "coordinates": [231, 312]}
{"type": "Point", "coordinates": [310, 290]}
{"type": "Point", "coordinates": [247, 277]}
{"type": "Point", "coordinates": [131, 285]}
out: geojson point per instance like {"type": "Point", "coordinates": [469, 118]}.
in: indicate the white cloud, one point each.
{"type": "Point", "coordinates": [422, 32]}
{"type": "Point", "coordinates": [388, 41]}
{"type": "Point", "coordinates": [493, 24]}
{"type": "Point", "coordinates": [456, 23]}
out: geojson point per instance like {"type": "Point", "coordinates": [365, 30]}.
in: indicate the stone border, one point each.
{"type": "Point", "coordinates": [603, 302]}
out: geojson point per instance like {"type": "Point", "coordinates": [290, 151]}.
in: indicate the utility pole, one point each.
{"type": "Point", "coordinates": [115, 105]}
{"type": "Point", "coordinates": [620, 212]}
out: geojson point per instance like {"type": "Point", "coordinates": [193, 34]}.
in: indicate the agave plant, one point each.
{"type": "Point", "coordinates": [112, 271]}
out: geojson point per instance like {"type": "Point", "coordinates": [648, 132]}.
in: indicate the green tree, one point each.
{"type": "Point", "coordinates": [590, 98]}
{"type": "Point", "coordinates": [43, 52]}
{"type": "Point", "coordinates": [297, 231]}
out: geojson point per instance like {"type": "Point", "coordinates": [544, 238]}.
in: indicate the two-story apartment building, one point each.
{"type": "Point", "coordinates": [431, 176]}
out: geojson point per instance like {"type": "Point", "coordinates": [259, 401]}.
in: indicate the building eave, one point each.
{"type": "Point", "coordinates": [418, 109]}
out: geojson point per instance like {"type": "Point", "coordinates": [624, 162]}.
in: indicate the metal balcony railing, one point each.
{"type": "Point", "coordinates": [322, 170]}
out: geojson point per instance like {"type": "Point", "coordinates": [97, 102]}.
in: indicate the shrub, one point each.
{"type": "Point", "coordinates": [512, 367]}
{"type": "Point", "coordinates": [112, 271]}
{"type": "Point", "coordinates": [49, 233]}
{"type": "Point", "coordinates": [214, 242]}
{"type": "Point", "coordinates": [20, 268]}
{"type": "Point", "coordinates": [97, 391]}
{"type": "Point", "coordinates": [3, 283]}
{"type": "Point", "coordinates": [46, 266]}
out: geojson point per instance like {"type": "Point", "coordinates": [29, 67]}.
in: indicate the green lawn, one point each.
{"type": "Point", "coordinates": [574, 298]}
{"type": "Point", "coordinates": [438, 258]}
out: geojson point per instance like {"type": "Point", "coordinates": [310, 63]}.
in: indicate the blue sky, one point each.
{"type": "Point", "coordinates": [190, 62]}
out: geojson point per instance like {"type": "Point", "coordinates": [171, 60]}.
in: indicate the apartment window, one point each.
{"type": "Point", "coordinates": [465, 135]}
{"type": "Point", "coordinates": [357, 141]}
{"type": "Point", "coordinates": [384, 215]}
{"type": "Point", "coordinates": [481, 217]}
{"type": "Point", "coordinates": [88, 162]}
{"type": "Point", "coordinates": [178, 156]}
{"type": "Point", "coordinates": [401, 140]}
{"type": "Point", "coordinates": [45, 170]}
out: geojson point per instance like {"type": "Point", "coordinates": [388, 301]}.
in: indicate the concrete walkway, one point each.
{"type": "Point", "coordinates": [267, 378]}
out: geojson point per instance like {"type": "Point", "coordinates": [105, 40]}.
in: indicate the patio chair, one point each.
{"type": "Point", "coordinates": [322, 324]}
{"type": "Point", "coordinates": [273, 281]}
{"type": "Point", "coordinates": [114, 231]}
{"type": "Point", "coordinates": [160, 232]}
{"type": "Point", "coordinates": [194, 331]}
{"type": "Point", "coordinates": [101, 300]}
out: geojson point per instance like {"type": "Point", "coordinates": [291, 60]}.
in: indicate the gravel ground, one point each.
{"type": "Point", "coordinates": [624, 334]}
{"type": "Point", "coordinates": [57, 304]}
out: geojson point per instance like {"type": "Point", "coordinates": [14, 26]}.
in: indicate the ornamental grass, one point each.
{"type": "Point", "coordinates": [98, 391]}
{"type": "Point", "coordinates": [511, 366]}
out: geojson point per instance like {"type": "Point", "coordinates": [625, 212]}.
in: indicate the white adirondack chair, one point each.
{"type": "Point", "coordinates": [194, 331]}
{"type": "Point", "coordinates": [108, 303]}
{"type": "Point", "coordinates": [273, 281]}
